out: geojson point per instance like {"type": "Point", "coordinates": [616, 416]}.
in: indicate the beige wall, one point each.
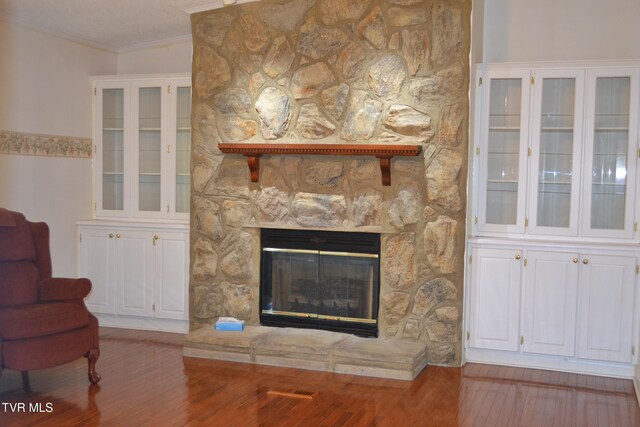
{"type": "Point", "coordinates": [56, 190]}
{"type": "Point", "coordinates": [552, 30]}
{"type": "Point", "coordinates": [44, 82]}
{"type": "Point", "coordinates": [173, 58]}
{"type": "Point", "coordinates": [45, 89]}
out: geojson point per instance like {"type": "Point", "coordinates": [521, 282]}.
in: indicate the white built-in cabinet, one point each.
{"type": "Point", "coordinates": [530, 303]}
{"type": "Point", "coordinates": [136, 272]}
{"type": "Point", "coordinates": [605, 308]}
{"type": "Point", "coordinates": [142, 136]}
{"type": "Point", "coordinates": [550, 303]}
{"type": "Point", "coordinates": [136, 248]}
{"type": "Point", "coordinates": [553, 248]}
{"type": "Point", "coordinates": [502, 153]}
{"type": "Point", "coordinates": [495, 299]}
{"type": "Point", "coordinates": [556, 152]}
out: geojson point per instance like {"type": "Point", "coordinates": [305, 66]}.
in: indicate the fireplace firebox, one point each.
{"type": "Point", "coordinates": [321, 280]}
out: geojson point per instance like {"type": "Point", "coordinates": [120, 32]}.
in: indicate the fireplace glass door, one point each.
{"type": "Point", "coordinates": [320, 287]}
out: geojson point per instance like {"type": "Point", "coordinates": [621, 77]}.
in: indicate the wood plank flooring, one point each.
{"type": "Point", "coordinates": [147, 382]}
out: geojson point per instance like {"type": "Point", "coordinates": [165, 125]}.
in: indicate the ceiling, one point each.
{"type": "Point", "coordinates": [116, 25]}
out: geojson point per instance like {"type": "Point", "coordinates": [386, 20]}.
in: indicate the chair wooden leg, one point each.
{"type": "Point", "coordinates": [26, 384]}
{"type": "Point", "coordinates": [92, 356]}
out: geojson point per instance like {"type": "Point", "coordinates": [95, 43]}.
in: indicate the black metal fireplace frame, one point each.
{"type": "Point", "coordinates": [330, 241]}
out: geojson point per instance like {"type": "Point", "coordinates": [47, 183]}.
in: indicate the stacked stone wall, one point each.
{"type": "Point", "coordinates": [334, 71]}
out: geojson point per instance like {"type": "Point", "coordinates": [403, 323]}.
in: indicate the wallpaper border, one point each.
{"type": "Point", "coordinates": [31, 144]}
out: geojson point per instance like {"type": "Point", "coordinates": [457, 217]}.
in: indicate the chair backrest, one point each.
{"type": "Point", "coordinates": [19, 265]}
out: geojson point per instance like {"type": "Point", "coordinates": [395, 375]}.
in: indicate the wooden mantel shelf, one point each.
{"type": "Point", "coordinates": [383, 152]}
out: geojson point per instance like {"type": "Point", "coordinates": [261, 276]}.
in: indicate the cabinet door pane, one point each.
{"type": "Point", "coordinates": [503, 151]}
{"type": "Point", "coordinates": [113, 149]}
{"type": "Point", "coordinates": [555, 162]}
{"type": "Point", "coordinates": [149, 146]}
{"type": "Point", "coordinates": [183, 148]}
{"type": "Point", "coordinates": [610, 147]}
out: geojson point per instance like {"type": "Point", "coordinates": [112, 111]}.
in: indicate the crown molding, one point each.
{"type": "Point", "coordinates": [108, 48]}
{"type": "Point", "coordinates": [217, 4]}
{"type": "Point", "coordinates": [57, 34]}
{"type": "Point", "coordinates": [156, 43]}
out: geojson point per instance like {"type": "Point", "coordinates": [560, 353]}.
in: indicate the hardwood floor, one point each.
{"type": "Point", "coordinates": [146, 381]}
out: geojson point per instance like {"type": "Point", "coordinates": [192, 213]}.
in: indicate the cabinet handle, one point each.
{"type": "Point", "coordinates": [518, 256]}
{"type": "Point", "coordinates": [111, 235]}
{"type": "Point", "coordinates": [575, 260]}
{"type": "Point", "coordinates": [155, 239]}
{"type": "Point", "coordinates": [585, 261]}
{"type": "Point", "coordinates": [117, 235]}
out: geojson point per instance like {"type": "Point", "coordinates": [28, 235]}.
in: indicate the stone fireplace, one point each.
{"type": "Point", "coordinates": [334, 71]}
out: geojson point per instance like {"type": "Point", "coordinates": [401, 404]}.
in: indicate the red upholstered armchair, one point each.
{"type": "Point", "coordinates": [43, 320]}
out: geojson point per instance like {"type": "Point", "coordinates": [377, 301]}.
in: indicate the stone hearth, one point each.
{"type": "Point", "coordinates": [332, 71]}
{"type": "Point", "coordinates": [316, 350]}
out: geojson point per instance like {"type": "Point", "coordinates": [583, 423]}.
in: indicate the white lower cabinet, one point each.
{"type": "Point", "coordinates": [605, 307]}
{"type": "Point", "coordinates": [549, 310]}
{"type": "Point", "coordinates": [133, 273]}
{"type": "Point", "coordinates": [559, 309]}
{"type": "Point", "coordinates": [171, 261]}
{"type": "Point", "coordinates": [139, 275]}
{"type": "Point", "coordinates": [97, 262]}
{"type": "Point", "coordinates": [495, 299]}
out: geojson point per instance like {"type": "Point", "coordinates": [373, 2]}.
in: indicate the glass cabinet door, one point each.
{"type": "Point", "coordinates": [556, 148]}
{"type": "Point", "coordinates": [149, 148]}
{"type": "Point", "coordinates": [611, 135]}
{"type": "Point", "coordinates": [112, 148]}
{"type": "Point", "coordinates": [142, 130]}
{"type": "Point", "coordinates": [503, 152]}
{"type": "Point", "coordinates": [183, 148]}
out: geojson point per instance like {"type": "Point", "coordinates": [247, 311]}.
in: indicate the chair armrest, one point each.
{"type": "Point", "coordinates": [59, 289]}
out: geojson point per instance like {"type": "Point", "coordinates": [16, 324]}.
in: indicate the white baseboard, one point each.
{"type": "Point", "coordinates": [143, 323]}
{"type": "Point", "coordinates": [562, 364]}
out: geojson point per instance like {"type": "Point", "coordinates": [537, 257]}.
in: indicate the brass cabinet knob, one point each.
{"type": "Point", "coordinates": [111, 235]}
{"type": "Point", "coordinates": [585, 261]}
{"type": "Point", "coordinates": [117, 235]}
{"type": "Point", "coordinates": [517, 256]}
{"type": "Point", "coordinates": [575, 260]}
{"type": "Point", "coordinates": [155, 239]}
